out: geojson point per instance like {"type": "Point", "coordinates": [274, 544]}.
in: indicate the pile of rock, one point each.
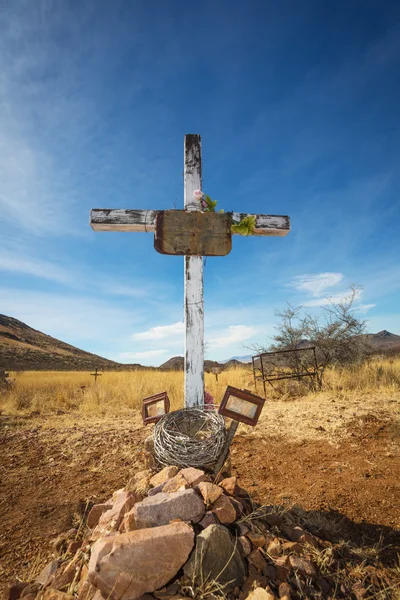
{"type": "Point", "coordinates": [178, 534]}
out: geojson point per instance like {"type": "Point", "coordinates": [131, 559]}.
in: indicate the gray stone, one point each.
{"type": "Point", "coordinates": [166, 507]}
{"type": "Point", "coordinates": [216, 557]}
{"type": "Point", "coordinates": [156, 490]}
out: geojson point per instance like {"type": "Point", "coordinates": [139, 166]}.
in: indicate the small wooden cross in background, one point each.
{"type": "Point", "coordinates": [96, 375]}
{"type": "Point", "coordinates": [194, 234]}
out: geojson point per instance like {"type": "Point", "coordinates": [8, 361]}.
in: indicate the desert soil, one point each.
{"type": "Point", "coordinates": [338, 460]}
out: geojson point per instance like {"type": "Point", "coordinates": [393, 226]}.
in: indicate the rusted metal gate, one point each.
{"type": "Point", "coordinates": [286, 364]}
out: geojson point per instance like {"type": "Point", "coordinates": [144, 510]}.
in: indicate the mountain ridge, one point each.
{"type": "Point", "coordinates": [25, 348]}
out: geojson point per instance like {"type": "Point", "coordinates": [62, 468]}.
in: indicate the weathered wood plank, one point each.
{"type": "Point", "coordinates": [113, 219]}
{"type": "Point", "coordinates": [193, 271]}
{"type": "Point", "coordinates": [193, 233]}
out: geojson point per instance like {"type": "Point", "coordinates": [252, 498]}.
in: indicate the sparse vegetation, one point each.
{"type": "Point", "coordinates": [47, 391]}
{"type": "Point", "coordinates": [337, 333]}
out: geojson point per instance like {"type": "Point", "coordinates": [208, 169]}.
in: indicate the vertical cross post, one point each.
{"type": "Point", "coordinates": [194, 298]}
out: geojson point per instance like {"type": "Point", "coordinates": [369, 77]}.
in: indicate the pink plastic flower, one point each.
{"type": "Point", "coordinates": [208, 400]}
{"type": "Point", "coordinates": [198, 194]}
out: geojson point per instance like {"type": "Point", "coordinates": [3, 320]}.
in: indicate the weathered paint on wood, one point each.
{"type": "Point", "coordinates": [146, 221]}
{"type": "Point", "coordinates": [193, 233]}
{"type": "Point", "coordinates": [193, 273]}
{"type": "Point", "coordinates": [114, 219]}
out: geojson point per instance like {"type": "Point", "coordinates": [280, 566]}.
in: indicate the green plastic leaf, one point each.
{"type": "Point", "coordinates": [245, 227]}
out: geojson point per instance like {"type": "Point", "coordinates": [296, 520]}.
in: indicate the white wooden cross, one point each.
{"type": "Point", "coordinates": [146, 220]}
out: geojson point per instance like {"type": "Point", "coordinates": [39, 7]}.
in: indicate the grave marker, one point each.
{"type": "Point", "coordinates": [96, 375]}
{"type": "Point", "coordinates": [173, 237]}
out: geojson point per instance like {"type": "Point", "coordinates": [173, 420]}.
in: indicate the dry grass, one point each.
{"type": "Point", "coordinates": [116, 392]}
{"type": "Point", "coordinates": [45, 391]}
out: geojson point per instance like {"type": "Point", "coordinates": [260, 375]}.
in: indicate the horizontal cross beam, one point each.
{"type": "Point", "coordinates": [113, 219]}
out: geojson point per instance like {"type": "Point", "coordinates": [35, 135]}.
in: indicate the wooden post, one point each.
{"type": "Point", "coordinates": [225, 450]}
{"type": "Point", "coordinates": [194, 300]}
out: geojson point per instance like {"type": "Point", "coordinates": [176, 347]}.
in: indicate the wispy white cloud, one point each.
{"type": "Point", "coordinates": [92, 323]}
{"type": "Point", "coordinates": [146, 354]}
{"type": "Point", "coordinates": [36, 268]}
{"type": "Point", "coordinates": [160, 332]}
{"type": "Point", "coordinates": [17, 256]}
{"type": "Point", "coordinates": [365, 307]}
{"type": "Point", "coordinates": [317, 283]}
{"type": "Point", "coordinates": [234, 334]}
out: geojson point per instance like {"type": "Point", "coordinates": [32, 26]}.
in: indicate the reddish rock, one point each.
{"type": "Point", "coordinates": [176, 484]}
{"type": "Point", "coordinates": [229, 485]}
{"type": "Point", "coordinates": [238, 506]}
{"type": "Point", "coordinates": [303, 566]}
{"type": "Point", "coordinates": [85, 589]}
{"type": "Point", "coordinates": [163, 476]}
{"type": "Point", "coordinates": [15, 590]}
{"type": "Point", "coordinates": [324, 585]}
{"type": "Point", "coordinates": [128, 522]}
{"type": "Point", "coordinates": [65, 575]}
{"type": "Point", "coordinates": [285, 591]}
{"type": "Point", "coordinates": [139, 483]}
{"type": "Point", "coordinates": [274, 547]}
{"type": "Point", "coordinates": [243, 529]}
{"type": "Point", "coordinates": [51, 594]}
{"type": "Point", "coordinates": [297, 534]}
{"type": "Point", "coordinates": [292, 547]}
{"type": "Point", "coordinates": [111, 519]}
{"type": "Point", "coordinates": [32, 589]}
{"type": "Point", "coordinates": [208, 519]}
{"type": "Point", "coordinates": [244, 545]}
{"type": "Point", "coordinates": [164, 508]}
{"type": "Point", "coordinates": [210, 492]}
{"type": "Point", "coordinates": [256, 539]}
{"type": "Point", "coordinates": [156, 490]}
{"type": "Point", "coordinates": [260, 593]}
{"type": "Point", "coordinates": [273, 520]}
{"type": "Point", "coordinates": [257, 560]}
{"type": "Point", "coordinates": [47, 574]}
{"type": "Point", "coordinates": [61, 542]}
{"type": "Point", "coordinates": [224, 510]}
{"type": "Point", "coordinates": [73, 547]}
{"type": "Point", "coordinates": [126, 566]}
{"type": "Point", "coordinates": [95, 513]}
{"type": "Point", "coordinates": [254, 579]}
{"type": "Point", "coordinates": [193, 476]}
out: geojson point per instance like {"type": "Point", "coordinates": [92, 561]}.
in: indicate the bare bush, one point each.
{"type": "Point", "coordinates": [336, 332]}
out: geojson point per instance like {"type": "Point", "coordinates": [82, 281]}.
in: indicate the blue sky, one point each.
{"type": "Point", "coordinates": [297, 105]}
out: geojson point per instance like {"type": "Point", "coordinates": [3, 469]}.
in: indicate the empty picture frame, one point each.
{"type": "Point", "coordinates": [155, 407]}
{"type": "Point", "coordinates": [241, 405]}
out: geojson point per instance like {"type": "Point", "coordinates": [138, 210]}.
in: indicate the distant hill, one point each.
{"type": "Point", "coordinates": [23, 348]}
{"type": "Point", "coordinates": [384, 342]}
{"type": "Point", "coordinates": [176, 363]}
{"type": "Point", "coordinates": [241, 359]}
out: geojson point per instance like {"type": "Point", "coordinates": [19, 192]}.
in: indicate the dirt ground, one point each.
{"type": "Point", "coordinates": [337, 460]}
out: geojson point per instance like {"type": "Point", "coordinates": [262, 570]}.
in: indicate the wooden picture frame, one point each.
{"type": "Point", "coordinates": [155, 407]}
{"type": "Point", "coordinates": [241, 405]}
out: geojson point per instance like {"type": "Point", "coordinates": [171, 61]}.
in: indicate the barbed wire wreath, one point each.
{"type": "Point", "coordinates": [190, 437]}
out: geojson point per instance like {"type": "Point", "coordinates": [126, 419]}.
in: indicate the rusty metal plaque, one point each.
{"type": "Point", "coordinates": [241, 405]}
{"type": "Point", "coordinates": [155, 407]}
{"type": "Point", "coordinates": [193, 233]}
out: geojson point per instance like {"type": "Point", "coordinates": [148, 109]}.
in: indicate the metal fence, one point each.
{"type": "Point", "coordinates": [286, 364]}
